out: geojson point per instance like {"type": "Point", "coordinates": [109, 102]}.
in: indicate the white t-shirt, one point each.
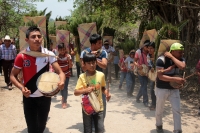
{"type": "Point", "coordinates": [129, 60]}
{"type": "Point", "coordinates": [110, 49]}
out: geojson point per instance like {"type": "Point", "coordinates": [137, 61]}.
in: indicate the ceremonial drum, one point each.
{"type": "Point", "coordinates": [47, 84]}
{"type": "Point", "coordinates": [176, 85]}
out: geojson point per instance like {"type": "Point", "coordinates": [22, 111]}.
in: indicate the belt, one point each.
{"type": "Point", "coordinates": [8, 60]}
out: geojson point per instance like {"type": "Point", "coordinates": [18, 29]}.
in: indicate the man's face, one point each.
{"type": "Point", "coordinates": [7, 42]}
{"type": "Point", "coordinates": [145, 48]}
{"type": "Point", "coordinates": [34, 40]}
{"type": "Point", "coordinates": [91, 66]}
{"type": "Point", "coordinates": [106, 45]}
{"type": "Point", "coordinates": [177, 53]}
{"type": "Point", "coordinates": [151, 50]}
{"type": "Point", "coordinates": [98, 45]}
{"type": "Point", "coordinates": [132, 55]}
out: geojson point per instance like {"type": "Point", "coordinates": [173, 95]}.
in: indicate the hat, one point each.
{"type": "Point", "coordinates": [176, 46]}
{"type": "Point", "coordinates": [132, 51]}
{"type": "Point", "coordinates": [106, 42]}
{"type": "Point", "coordinates": [7, 37]}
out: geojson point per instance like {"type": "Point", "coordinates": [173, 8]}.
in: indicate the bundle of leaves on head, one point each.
{"type": "Point", "coordinates": [107, 31]}
{"type": "Point", "coordinates": [74, 23]}
{"type": "Point", "coordinates": [127, 45]}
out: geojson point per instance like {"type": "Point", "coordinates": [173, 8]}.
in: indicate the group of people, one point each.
{"type": "Point", "coordinates": [95, 64]}
{"type": "Point", "coordinates": [140, 63]}
{"type": "Point", "coordinates": [37, 106]}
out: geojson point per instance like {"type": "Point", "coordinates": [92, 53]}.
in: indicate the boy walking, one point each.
{"type": "Point", "coordinates": [89, 81]}
{"type": "Point", "coordinates": [65, 62]}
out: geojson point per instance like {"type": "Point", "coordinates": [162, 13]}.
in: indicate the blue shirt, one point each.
{"type": "Point", "coordinates": [101, 56]}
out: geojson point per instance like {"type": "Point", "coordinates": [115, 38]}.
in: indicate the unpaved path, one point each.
{"type": "Point", "coordinates": [124, 115]}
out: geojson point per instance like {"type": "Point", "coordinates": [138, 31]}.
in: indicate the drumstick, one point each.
{"type": "Point", "coordinates": [37, 54]}
{"type": "Point", "coordinates": [190, 75]}
{"type": "Point", "coordinates": [183, 75]}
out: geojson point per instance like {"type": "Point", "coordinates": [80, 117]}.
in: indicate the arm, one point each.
{"type": "Point", "coordinates": [86, 90]}
{"type": "Point", "coordinates": [13, 77]}
{"type": "Point", "coordinates": [178, 63]}
{"type": "Point", "coordinates": [105, 92]}
{"type": "Point", "coordinates": [59, 71]}
{"type": "Point", "coordinates": [102, 63]}
{"type": "Point", "coordinates": [69, 60]}
{"type": "Point", "coordinates": [160, 73]}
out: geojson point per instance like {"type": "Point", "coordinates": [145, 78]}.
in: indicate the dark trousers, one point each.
{"type": "Point", "coordinates": [116, 71]}
{"type": "Point", "coordinates": [36, 110]}
{"type": "Point", "coordinates": [7, 67]}
{"type": "Point", "coordinates": [78, 69]}
{"type": "Point", "coordinates": [1, 66]}
{"type": "Point", "coordinates": [98, 122]}
{"type": "Point", "coordinates": [152, 89]}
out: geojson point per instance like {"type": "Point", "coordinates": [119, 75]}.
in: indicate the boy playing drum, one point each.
{"type": "Point", "coordinates": [89, 81]}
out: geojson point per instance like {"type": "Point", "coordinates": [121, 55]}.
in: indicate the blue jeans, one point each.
{"type": "Point", "coordinates": [130, 82]}
{"type": "Point", "coordinates": [64, 92]}
{"type": "Point", "coordinates": [153, 96]}
{"type": "Point", "coordinates": [104, 105]}
{"type": "Point", "coordinates": [143, 88]}
{"type": "Point", "coordinates": [122, 77]}
{"type": "Point", "coordinates": [97, 118]}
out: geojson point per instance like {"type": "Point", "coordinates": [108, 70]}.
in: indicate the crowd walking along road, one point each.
{"type": "Point", "coordinates": [124, 115]}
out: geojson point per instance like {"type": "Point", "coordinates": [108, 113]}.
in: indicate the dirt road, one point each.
{"type": "Point", "coordinates": [124, 115]}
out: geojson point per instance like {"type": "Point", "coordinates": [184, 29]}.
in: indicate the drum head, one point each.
{"type": "Point", "coordinates": [47, 82]}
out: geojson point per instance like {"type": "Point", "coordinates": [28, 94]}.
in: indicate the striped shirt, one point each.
{"type": "Point", "coordinates": [8, 53]}
{"type": "Point", "coordinates": [64, 64]}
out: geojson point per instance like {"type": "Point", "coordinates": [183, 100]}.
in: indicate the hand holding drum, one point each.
{"type": "Point", "coordinates": [49, 84]}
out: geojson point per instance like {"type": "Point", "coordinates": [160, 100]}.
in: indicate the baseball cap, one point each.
{"type": "Point", "coordinates": [176, 46]}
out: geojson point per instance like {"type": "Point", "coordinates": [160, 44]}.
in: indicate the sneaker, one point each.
{"type": "Point", "coordinates": [159, 129]}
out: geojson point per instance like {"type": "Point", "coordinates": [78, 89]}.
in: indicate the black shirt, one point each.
{"type": "Point", "coordinates": [165, 62]}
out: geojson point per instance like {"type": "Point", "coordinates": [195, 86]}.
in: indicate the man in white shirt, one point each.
{"type": "Point", "coordinates": [110, 51]}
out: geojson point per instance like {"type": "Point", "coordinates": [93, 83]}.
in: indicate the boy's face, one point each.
{"type": "Point", "coordinates": [62, 51]}
{"type": "Point", "coordinates": [151, 50]}
{"type": "Point", "coordinates": [98, 45]}
{"type": "Point", "coordinates": [34, 40]}
{"type": "Point", "coordinates": [90, 66]}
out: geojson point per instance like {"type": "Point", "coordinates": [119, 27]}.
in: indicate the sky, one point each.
{"type": "Point", "coordinates": [58, 8]}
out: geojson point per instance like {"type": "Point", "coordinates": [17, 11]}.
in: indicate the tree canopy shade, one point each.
{"type": "Point", "coordinates": [11, 12]}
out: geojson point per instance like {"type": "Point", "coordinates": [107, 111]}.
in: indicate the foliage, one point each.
{"type": "Point", "coordinates": [108, 31]}
{"type": "Point", "coordinates": [11, 12]}
{"type": "Point", "coordinates": [127, 45]}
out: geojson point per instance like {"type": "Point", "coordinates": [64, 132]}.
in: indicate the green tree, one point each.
{"type": "Point", "coordinates": [11, 12]}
